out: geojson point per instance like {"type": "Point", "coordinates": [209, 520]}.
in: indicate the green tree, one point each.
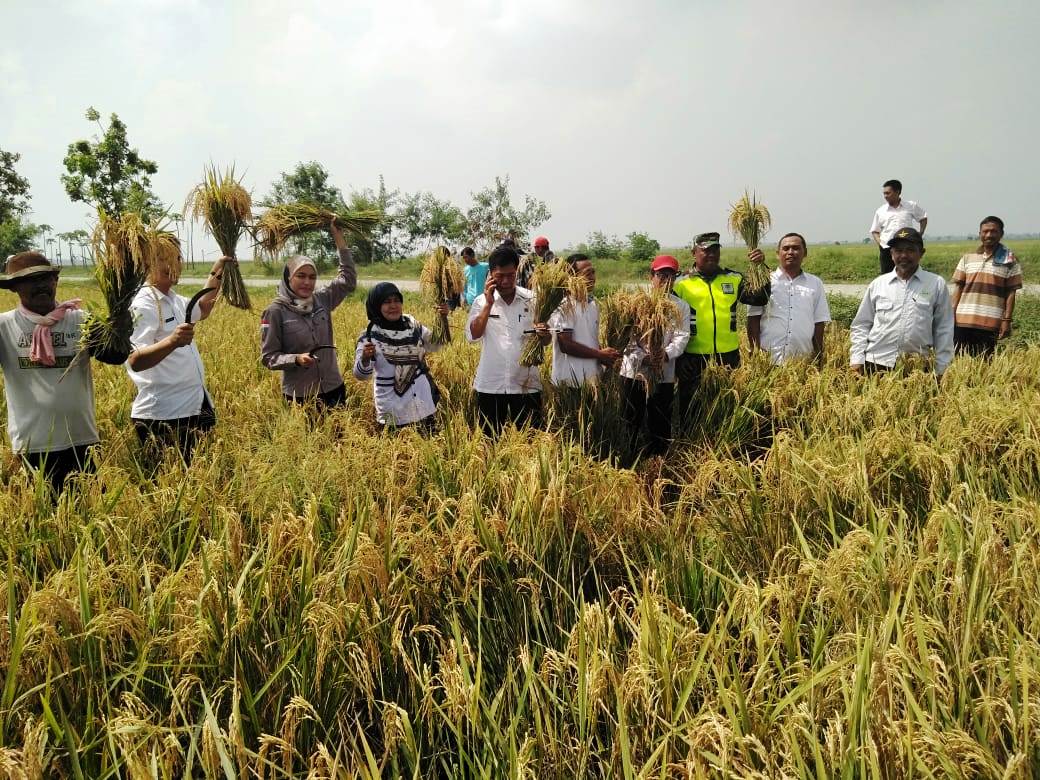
{"type": "Point", "coordinates": [383, 243]}
{"type": "Point", "coordinates": [16, 234]}
{"type": "Point", "coordinates": [493, 214]}
{"type": "Point", "coordinates": [602, 246]}
{"type": "Point", "coordinates": [309, 183]}
{"type": "Point", "coordinates": [425, 220]}
{"type": "Point", "coordinates": [108, 173]}
{"type": "Point", "coordinates": [641, 247]}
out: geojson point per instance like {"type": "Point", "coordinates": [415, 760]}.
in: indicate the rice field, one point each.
{"type": "Point", "coordinates": [829, 577]}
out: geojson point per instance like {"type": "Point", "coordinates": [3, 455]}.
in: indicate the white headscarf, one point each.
{"type": "Point", "coordinates": [285, 294]}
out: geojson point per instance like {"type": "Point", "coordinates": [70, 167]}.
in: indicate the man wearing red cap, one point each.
{"type": "Point", "coordinates": [50, 394]}
{"type": "Point", "coordinates": [655, 410]}
{"type": "Point", "coordinates": [542, 254]}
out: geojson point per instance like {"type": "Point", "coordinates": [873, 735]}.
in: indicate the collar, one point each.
{"type": "Point", "coordinates": [893, 276]}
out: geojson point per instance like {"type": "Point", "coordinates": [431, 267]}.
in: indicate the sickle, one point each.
{"type": "Point", "coordinates": [195, 299]}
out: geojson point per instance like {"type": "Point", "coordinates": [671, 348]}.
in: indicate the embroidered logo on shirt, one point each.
{"type": "Point", "coordinates": [727, 287]}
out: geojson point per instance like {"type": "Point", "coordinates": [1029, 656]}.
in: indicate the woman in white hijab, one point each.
{"type": "Point", "coordinates": [296, 329]}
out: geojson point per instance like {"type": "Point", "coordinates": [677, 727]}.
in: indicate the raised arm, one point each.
{"type": "Point", "coordinates": [345, 282]}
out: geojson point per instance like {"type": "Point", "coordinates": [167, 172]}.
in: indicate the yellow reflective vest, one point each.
{"type": "Point", "coordinates": [713, 310]}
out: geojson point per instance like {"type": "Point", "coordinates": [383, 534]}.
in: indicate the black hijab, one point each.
{"type": "Point", "coordinates": [376, 298]}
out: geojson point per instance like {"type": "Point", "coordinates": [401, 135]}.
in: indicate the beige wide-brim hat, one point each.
{"type": "Point", "coordinates": [26, 265]}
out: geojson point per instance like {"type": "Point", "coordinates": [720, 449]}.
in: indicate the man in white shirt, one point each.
{"type": "Point", "coordinates": [895, 215]}
{"type": "Point", "coordinates": [576, 354]}
{"type": "Point", "coordinates": [50, 393]}
{"type": "Point", "coordinates": [501, 319]}
{"type": "Point", "coordinates": [172, 407]}
{"type": "Point", "coordinates": [791, 324]}
{"type": "Point", "coordinates": [905, 312]}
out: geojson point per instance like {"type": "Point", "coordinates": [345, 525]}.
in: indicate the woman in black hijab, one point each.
{"type": "Point", "coordinates": [392, 350]}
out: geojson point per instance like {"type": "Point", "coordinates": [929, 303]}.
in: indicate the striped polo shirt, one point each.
{"type": "Point", "coordinates": [985, 284]}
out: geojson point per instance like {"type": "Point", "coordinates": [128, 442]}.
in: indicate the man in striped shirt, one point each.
{"type": "Point", "coordinates": [984, 292]}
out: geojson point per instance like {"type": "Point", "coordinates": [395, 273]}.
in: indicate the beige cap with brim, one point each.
{"type": "Point", "coordinates": [26, 265]}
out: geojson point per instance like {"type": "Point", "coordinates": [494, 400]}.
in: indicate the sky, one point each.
{"type": "Point", "coordinates": [622, 116]}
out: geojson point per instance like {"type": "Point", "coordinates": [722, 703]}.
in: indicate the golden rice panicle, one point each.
{"type": "Point", "coordinates": [617, 319]}
{"type": "Point", "coordinates": [225, 207]}
{"type": "Point", "coordinates": [749, 219]}
{"type": "Point", "coordinates": [655, 314]}
{"type": "Point", "coordinates": [440, 280]}
{"type": "Point", "coordinates": [282, 221]}
{"type": "Point", "coordinates": [550, 284]}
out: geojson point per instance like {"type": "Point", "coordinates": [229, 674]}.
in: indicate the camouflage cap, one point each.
{"type": "Point", "coordinates": [706, 240]}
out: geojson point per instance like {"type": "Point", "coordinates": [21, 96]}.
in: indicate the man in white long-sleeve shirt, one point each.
{"type": "Point", "coordinates": [905, 312]}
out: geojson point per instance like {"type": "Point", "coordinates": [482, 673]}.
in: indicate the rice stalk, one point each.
{"type": "Point", "coordinates": [550, 283]}
{"type": "Point", "coordinates": [225, 208]}
{"type": "Point", "coordinates": [126, 249]}
{"type": "Point", "coordinates": [441, 281]}
{"type": "Point", "coordinates": [750, 219]}
{"type": "Point", "coordinates": [655, 315]}
{"type": "Point", "coordinates": [617, 319]}
{"type": "Point", "coordinates": [281, 222]}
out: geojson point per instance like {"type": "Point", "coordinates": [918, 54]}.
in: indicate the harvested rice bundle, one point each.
{"type": "Point", "coordinates": [441, 281]}
{"type": "Point", "coordinates": [550, 283]}
{"type": "Point", "coordinates": [617, 320]}
{"type": "Point", "coordinates": [225, 208]}
{"type": "Point", "coordinates": [274, 228]}
{"type": "Point", "coordinates": [122, 248]}
{"type": "Point", "coordinates": [750, 220]}
{"type": "Point", "coordinates": [655, 315]}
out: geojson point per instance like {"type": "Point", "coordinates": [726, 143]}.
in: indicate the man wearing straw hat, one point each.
{"type": "Point", "coordinates": [172, 407]}
{"type": "Point", "coordinates": [50, 394]}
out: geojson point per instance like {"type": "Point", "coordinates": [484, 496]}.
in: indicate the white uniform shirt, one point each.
{"type": "Point", "coordinates": [393, 409]}
{"type": "Point", "coordinates": [499, 370]}
{"type": "Point", "coordinates": [632, 365]}
{"type": "Point", "coordinates": [174, 387]}
{"type": "Point", "coordinates": [888, 219]}
{"type": "Point", "coordinates": [581, 322]}
{"type": "Point", "coordinates": [899, 318]}
{"type": "Point", "coordinates": [46, 412]}
{"type": "Point", "coordinates": [790, 316]}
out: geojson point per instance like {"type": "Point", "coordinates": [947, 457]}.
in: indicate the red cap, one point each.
{"type": "Point", "coordinates": [664, 261]}
{"type": "Point", "coordinates": [541, 241]}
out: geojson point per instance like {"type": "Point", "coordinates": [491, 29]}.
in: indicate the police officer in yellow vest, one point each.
{"type": "Point", "coordinates": [713, 294]}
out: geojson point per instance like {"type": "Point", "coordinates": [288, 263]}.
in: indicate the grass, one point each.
{"type": "Point", "coordinates": [831, 577]}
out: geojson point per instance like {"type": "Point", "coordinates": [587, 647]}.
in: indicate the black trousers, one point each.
{"type": "Point", "coordinates": [183, 433]}
{"type": "Point", "coordinates": [654, 411]}
{"type": "Point", "coordinates": [495, 410]}
{"type": "Point", "coordinates": [974, 341]}
{"type": "Point", "coordinates": [324, 401]}
{"type": "Point", "coordinates": [885, 260]}
{"type": "Point", "coordinates": [688, 370]}
{"type": "Point", "coordinates": [58, 466]}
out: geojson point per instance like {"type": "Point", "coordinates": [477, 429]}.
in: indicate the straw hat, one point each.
{"type": "Point", "coordinates": [26, 265]}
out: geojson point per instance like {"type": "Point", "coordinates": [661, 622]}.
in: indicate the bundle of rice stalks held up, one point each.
{"type": "Point", "coordinates": [441, 281]}
{"type": "Point", "coordinates": [273, 229]}
{"type": "Point", "coordinates": [224, 206]}
{"type": "Point", "coordinates": [617, 320]}
{"type": "Point", "coordinates": [751, 220]}
{"type": "Point", "coordinates": [551, 283]}
{"type": "Point", "coordinates": [655, 315]}
{"type": "Point", "coordinates": [125, 248]}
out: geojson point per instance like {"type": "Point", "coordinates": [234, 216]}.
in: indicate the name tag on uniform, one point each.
{"type": "Point", "coordinates": [727, 287]}
{"type": "Point", "coordinates": [169, 319]}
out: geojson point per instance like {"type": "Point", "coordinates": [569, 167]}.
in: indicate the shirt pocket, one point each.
{"type": "Point", "coordinates": [297, 336]}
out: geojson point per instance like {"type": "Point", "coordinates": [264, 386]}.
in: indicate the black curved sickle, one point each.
{"type": "Point", "coordinates": [195, 299]}
{"type": "Point", "coordinates": [320, 348]}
